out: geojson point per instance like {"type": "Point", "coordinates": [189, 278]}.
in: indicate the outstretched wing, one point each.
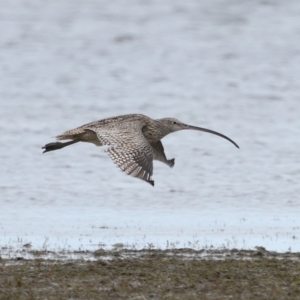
{"type": "Point", "coordinates": [129, 150]}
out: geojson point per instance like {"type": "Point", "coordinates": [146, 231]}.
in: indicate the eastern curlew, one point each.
{"type": "Point", "coordinates": [134, 140]}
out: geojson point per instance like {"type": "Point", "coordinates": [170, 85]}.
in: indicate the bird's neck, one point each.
{"type": "Point", "coordinates": [155, 131]}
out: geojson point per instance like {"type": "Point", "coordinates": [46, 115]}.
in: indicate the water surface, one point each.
{"type": "Point", "coordinates": [229, 66]}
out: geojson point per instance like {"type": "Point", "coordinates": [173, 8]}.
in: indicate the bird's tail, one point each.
{"type": "Point", "coordinates": [57, 145]}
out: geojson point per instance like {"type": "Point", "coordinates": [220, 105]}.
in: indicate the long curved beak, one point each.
{"type": "Point", "coordinates": [212, 132]}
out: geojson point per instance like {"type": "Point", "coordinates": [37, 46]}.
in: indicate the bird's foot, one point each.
{"type": "Point", "coordinates": [171, 162]}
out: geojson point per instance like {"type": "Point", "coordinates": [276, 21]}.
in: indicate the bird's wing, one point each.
{"type": "Point", "coordinates": [129, 150]}
{"type": "Point", "coordinates": [159, 154]}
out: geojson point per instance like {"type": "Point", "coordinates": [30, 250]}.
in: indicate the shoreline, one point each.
{"type": "Point", "coordinates": [120, 252]}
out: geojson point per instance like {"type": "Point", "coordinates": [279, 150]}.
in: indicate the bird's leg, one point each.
{"type": "Point", "coordinates": [159, 154]}
{"type": "Point", "coordinates": [57, 145]}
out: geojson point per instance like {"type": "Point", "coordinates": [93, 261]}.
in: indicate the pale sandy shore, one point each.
{"type": "Point", "coordinates": [121, 252]}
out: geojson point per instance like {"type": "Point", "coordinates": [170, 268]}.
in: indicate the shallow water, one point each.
{"type": "Point", "coordinates": [225, 65]}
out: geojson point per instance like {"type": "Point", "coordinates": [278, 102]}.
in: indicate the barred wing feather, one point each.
{"type": "Point", "coordinates": [129, 150]}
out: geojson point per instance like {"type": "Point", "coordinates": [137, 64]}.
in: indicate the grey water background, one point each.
{"type": "Point", "coordinates": [230, 66]}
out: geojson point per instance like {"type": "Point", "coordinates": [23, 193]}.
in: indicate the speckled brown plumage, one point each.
{"type": "Point", "coordinates": [134, 141]}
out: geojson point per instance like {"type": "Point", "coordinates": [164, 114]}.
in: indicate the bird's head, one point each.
{"type": "Point", "coordinates": [169, 125]}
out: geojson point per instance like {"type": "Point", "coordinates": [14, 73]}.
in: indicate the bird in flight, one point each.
{"type": "Point", "coordinates": [134, 141]}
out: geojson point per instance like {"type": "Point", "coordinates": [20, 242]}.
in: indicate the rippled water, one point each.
{"type": "Point", "coordinates": [230, 66]}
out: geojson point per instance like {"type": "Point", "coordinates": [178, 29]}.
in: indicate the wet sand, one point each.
{"type": "Point", "coordinates": [155, 274]}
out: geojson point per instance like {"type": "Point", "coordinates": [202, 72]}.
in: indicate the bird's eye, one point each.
{"type": "Point", "coordinates": [174, 122]}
